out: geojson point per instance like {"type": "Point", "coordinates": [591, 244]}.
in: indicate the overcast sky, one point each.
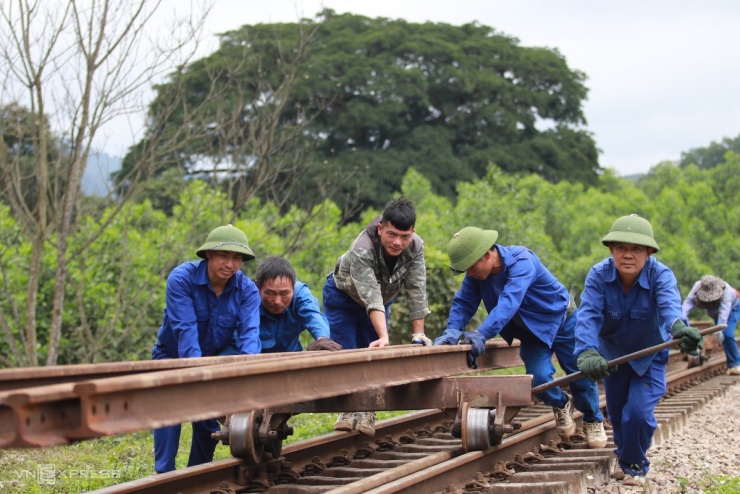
{"type": "Point", "coordinates": [663, 75]}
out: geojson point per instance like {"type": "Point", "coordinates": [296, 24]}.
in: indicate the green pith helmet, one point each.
{"type": "Point", "coordinates": [227, 237]}
{"type": "Point", "coordinates": [468, 245]}
{"type": "Point", "coordinates": [631, 230]}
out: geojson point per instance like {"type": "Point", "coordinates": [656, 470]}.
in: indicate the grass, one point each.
{"type": "Point", "coordinates": [99, 463]}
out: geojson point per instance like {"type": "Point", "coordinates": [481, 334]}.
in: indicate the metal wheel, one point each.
{"type": "Point", "coordinates": [244, 438]}
{"type": "Point", "coordinates": [476, 423]}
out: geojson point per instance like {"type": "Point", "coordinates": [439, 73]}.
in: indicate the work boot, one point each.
{"type": "Point", "coordinates": [633, 480]}
{"type": "Point", "coordinates": [734, 371]}
{"type": "Point", "coordinates": [564, 419]}
{"type": "Point", "coordinates": [345, 422]}
{"type": "Point", "coordinates": [366, 423]}
{"type": "Point", "coordinates": [595, 435]}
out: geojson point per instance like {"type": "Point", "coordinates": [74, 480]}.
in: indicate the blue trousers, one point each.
{"type": "Point", "coordinates": [630, 402]}
{"type": "Point", "coordinates": [167, 440]}
{"type": "Point", "coordinates": [537, 358]}
{"type": "Point", "coordinates": [728, 338]}
{"type": "Point", "coordinates": [349, 324]}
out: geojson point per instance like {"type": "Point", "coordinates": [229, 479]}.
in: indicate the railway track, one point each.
{"type": "Point", "coordinates": [416, 453]}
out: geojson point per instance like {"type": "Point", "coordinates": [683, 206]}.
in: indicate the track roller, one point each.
{"type": "Point", "coordinates": [251, 435]}
{"type": "Point", "coordinates": [477, 428]}
{"type": "Point", "coordinates": [244, 436]}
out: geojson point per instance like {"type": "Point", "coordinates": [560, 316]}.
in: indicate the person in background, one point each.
{"type": "Point", "coordinates": [208, 303]}
{"type": "Point", "coordinates": [630, 302]}
{"type": "Point", "coordinates": [720, 301]}
{"type": "Point", "coordinates": [524, 301]}
{"type": "Point", "coordinates": [385, 256]}
{"type": "Point", "coordinates": [288, 308]}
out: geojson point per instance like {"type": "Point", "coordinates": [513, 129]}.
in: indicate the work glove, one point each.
{"type": "Point", "coordinates": [420, 339]}
{"type": "Point", "coordinates": [324, 343]}
{"type": "Point", "coordinates": [479, 346]}
{"type": "Point", "coordinates": [593, 365]}
{"type": "Point", "coordinates": [691, 339]}
{"type": "Point", "coordinates": [449, 337]}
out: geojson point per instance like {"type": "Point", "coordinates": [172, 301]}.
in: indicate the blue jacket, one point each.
{"type": "Point", "coordinates": [280, 333]}
{"type": "Point", "coordinates": [198, 324]}
{"type": "Point", "coordinates": [524, 288]}
{"type": "Point", "coordinates": [618, 323]}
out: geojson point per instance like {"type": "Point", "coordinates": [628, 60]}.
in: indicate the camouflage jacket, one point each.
{"type": "Point", "coordinates": [361, 272]}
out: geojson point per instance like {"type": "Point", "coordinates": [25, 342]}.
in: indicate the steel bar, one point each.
{"type": "Point", "coordinates": [27, 377]}
{"type": "Point", "coordinates": [154, 399]}
{"type": "Point", "coordinates": [448, 392]}
{"type": "Point", "coordinates": [622, 360]}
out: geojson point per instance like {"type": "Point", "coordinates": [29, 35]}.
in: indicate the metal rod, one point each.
{"type": "Point", "coordinates": [621, 360]}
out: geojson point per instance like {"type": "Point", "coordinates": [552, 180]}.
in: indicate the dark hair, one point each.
{"type": "Point", "coordinates": [400, 213]}
{"type": "Point", "coordinates": [272, 268]}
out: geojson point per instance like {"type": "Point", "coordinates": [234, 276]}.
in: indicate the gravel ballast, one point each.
{"type": "Point", "coordinates": [708, 446]}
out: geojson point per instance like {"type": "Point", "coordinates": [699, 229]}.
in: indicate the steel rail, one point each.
{"type": "Point", "coordinates": [28, 377]}
{"type": "Point", "coordinates": [57, 414]}
{"type": "Point", "coordinates": [535, 431]}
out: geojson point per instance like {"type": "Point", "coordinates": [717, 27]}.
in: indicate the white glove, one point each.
{"type": "Point", "coordinates": [420, 339]}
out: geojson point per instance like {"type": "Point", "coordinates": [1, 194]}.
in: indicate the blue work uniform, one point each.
{"type": "Point", "coordinates": [726, 312]}
{"type": "Point", "coordinates": [616, 324]}
{"type": "Point", "coordinates": [525, 301]}
{"type": "Point", "coordinates": [280, 333]}
{"type": "Point", "coordinates": [196, 323]}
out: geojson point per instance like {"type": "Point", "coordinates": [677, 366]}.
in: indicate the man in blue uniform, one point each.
{"type": "Point", "coordinates": [524, 301]}
{"type": "Point", "coordinates": [288, 308]}
{"type": "Point", "coordinates": [631, 301]}
{"type": "Point", "coordinates": [208, 303]}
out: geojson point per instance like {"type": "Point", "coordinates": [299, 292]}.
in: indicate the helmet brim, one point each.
{"type": "Point", "coordinates": [630, 238]}
{"type": "Point", "coordinates": [242, 249]}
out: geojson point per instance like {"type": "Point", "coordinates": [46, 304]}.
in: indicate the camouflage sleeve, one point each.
{"type": "Point", "coordinates": [364, 281]}
{"type": "Point", "coordinates": [416, 287]}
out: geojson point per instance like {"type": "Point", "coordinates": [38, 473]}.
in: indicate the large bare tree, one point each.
{"type": "Point", "coordinates": [69, 68]}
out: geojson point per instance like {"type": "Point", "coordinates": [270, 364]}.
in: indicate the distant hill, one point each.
{"type": "Point", "coordinates": [96, 179]}
{"type": "Point", "coordinates": [635, 177]}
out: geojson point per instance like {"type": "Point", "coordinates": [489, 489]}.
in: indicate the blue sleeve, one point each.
{"type": "Point", "coordinates": [248, 324]}
{"type": "Point", "coordinates": [519, 277]}
{"type": "Point", "coordinates": [309, 314]}
{"type": "Point", "coordinates": [668, 301]}
{"type": "Point", "coordinates": [590, 313]}
{"type": "Point", "coordinates": [180, 307]}
{"type": "Point", "coordinates": [464, 305]}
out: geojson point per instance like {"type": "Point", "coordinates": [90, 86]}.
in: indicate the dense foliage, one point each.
{"type": "Point", "coordinates": [361, 98]}
{"type": "Point", "coordinates": [115, 293]}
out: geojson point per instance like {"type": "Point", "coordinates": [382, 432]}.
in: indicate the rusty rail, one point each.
{"type": "Point", "coordinates": [61, 413]}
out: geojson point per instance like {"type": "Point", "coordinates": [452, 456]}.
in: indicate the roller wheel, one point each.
{"type": "Point", "coordinates": [244, 438]}
{"type": "Point", "coordinates": [476, 428]}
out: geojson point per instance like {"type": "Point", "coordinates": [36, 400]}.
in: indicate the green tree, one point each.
{"type": "Point", "coordinates": [712, 155]}
{"type": "Point", "coordinates": [74, 66]}
{"type": "Point", "coordinates": [342, 106]}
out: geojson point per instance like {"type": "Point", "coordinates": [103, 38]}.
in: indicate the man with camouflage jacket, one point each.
{"type": "Point", "coordinates": [386, 255]}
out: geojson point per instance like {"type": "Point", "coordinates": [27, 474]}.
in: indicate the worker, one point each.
{"type": "Point", "coordinates": [630, 302]}
{"type": "Point", "coordinates": [524, 301]}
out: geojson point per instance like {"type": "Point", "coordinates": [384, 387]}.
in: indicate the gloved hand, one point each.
{"type": "Point", "coordinates": [479, 346]}
{"type": "Point", "coordinates": [593, 365]}
{"type": "Point", "coordinates": [691, 339]}
{"type": "Point", "coordinates": [324, 344]}
{"type": "Point", "coordinates": [449, 337]}
{"type": "Point", "coordinates": [420, 339]}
